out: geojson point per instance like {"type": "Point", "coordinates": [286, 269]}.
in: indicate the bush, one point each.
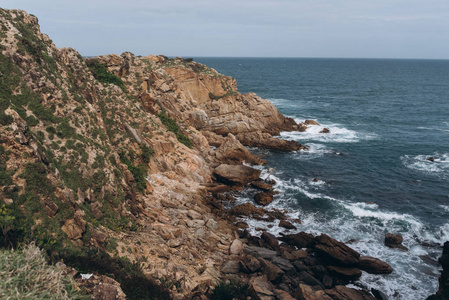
{"type": "Point", "coordinates": [101, 73]}
{"type": "Point", "coordinates": [173, 127]}
{"type": "Point", "coordinates": [230, 290]}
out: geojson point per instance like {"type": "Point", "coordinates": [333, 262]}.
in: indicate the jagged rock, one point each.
{"type": "Point", "coordinates": [282, 263]}
{"type": "Point", "coordinates": [394, 241]}
{"type": "Point", "coordinates": [249, 264]}
{"type": "Point", "coordinates": [232, 152]}
{"type": "Point", "coordinates": [378, 294]}
{"type": "Point", "coordinates": [374, 265]}
{"type": "Point", "coordinates": [261, 289]}
{"type": "Point", "coordinates": [300, 240]}
{"type": "Point", "coordinates": [325, 130]}
{"type": "Point", "coordinates": [286, 224]}
{"type": "Point", "coordinates": [299, 266]}
{"type": "Point", "coordinates": [74, 228]}
{"type": "Point", "coordinates": [311, 122]}
{"type": "Point", "coordinates": [260, 252]}
{"type": "Point", "coordinates": [336, 252]}
{"type": "Point", "coordinates": [283, 295]}
{"type": "Point", "coordinates": [308, 279]}
{"type": "Point", "coordinates": [431, 159]}
{"type": "Point", "coordinates": [236, 247]}
{"type": "Point", "coordinates": [230, 267]}
{"type": "Point", "coordinates": [307, 292]}
{"type": "Point", "coordinates": [265, 140]}
{"type": "Point", "coordinates": [345, 273]}
{"type": "Point", "coordinates": [236, 175]}
{"type": "Point", "coordinates": [102, 287]}
{"type": "Point", "coordinates": [272, 271]}
{"type": "Point", "coordinates": [443, 280]}
{"type": "Point", "coordinates": [247, 209]}
{"type": "Point", "coordinates": [341, 292]}
{"type": "Point", "coordinates": [270, 239]}
{"type": "Point", "coordinates": [263, 198]}
{"type": "Point", "coordinates": [262, 185]}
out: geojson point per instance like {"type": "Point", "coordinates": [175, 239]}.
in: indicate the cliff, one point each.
{"type": "Point", "coordinates": [120, 165]}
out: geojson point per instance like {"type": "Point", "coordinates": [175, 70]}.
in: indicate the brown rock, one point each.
{"type": "Point", "coordinates": [236, 247]}
{"type": "Point", "coordinates": [341, 292]}
{"type": "Point", "coordinates": [261, 289]}
{"type": "Point", "coordinates": [262, 185]}
{"type": "Point", "coordinates": [299, 240]}
{"type": "Point", "coordinates": [307, 292]}
{"type": "Point", "coordinates": [286, 224]}
{"type": "Point", "coordinates": [345, 273]}
{"type": "Point", "coordinates": [108, 291]}
{"type": "Point", "coordinates": [394, 241]}
{"type": "Point", "coordinates": [431, 159]}
{"type": "Point", "coordinates": [241, 225]}
{"type": "Point", "coordinates": [325, 130]}
{"type": "Point", "coordinates": [311, 122]}
{"type": "Point", "coordinates": [336, 252]}
{"type": "Point", "coordinates": [270, 239]}
{"type": "Point", "coordinates": [272, 271]}
{"type": "Point", "coordinates": [232, 152]}
{"type": "Point", "coordinates": [263, 198]}
{"type": "Point", "coordinates": [247, 209]}
{"type": "Point", "coordinates": [283, 295]}
{"type": "Point", "coordinates": [265, 140]}
{"type": "Point", "coordinates": [230, 267]}
{"type": "Point", "coordinates": [374, 265]}
{"type": "Point", "coordinates": [250, 264]}
{"type": "Point", "coordinates": [236, 175]}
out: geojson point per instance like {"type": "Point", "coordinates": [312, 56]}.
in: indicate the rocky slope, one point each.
{"type": "Point", "coordinates": [121, 164]}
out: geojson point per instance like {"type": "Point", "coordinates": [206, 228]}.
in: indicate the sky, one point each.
{"type": "Point", "coordinates": [247, 28]}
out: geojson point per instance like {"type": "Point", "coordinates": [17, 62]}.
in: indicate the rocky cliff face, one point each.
{"type": "Point", "coordinates": [122, 167]}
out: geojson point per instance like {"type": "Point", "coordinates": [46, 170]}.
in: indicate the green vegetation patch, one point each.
{"type": "Point", "coordinates": [173, 127]}
{"type": "Point", "coordinates": [230, 290]}
{"type": "Point", "coordinates": [25, 274]}
{"type": "Point", "coordinates": [101, 73]}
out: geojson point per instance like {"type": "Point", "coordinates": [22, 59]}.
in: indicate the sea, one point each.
{"type": "Point", "coordinates": [369, 175]}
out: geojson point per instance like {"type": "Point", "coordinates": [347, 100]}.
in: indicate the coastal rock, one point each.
{"type": "Point", "coordinates": [308, 279]}
{"type": "Point", "coordinates": [263, 198]}
{"type": "Point", "coordinates": [236, 175]}
{"type": "Point", "coordinates": [443, 287]}
{"type": "Point", "coordinates": [300, 240]}
{"type": "Point", "coordinates": [261, 289]}
{"type": "Point", "coordinates": [232, 152]}
{"type": "Point", "coordinates": [236, 247]}
{"type": "Point", "coordinates": [272, 271]}
{"type": "Point", "coordinates": [286, 224]}
{"type": "Point", "coordinates": [325, 130]}
{"type": "Point", "coordinates": [394, 241]}
{"type": "Point", "coordinates": [271, 240]}
{"type": "Point", "coordinates": [265, 140]}
{"type": "Point", "coordinates": [336, 252]}
{"type": "Point", "coordinates": [260, 252]}
{"type": "Point", "coordinates": [341, 292]}
{"type": "Point", "coordinates": [307, 292]}
{"type": "Point", "coordinates": [349, 274]}
{"type": "Point", "coordinates": [311, 122]}
{"type": "Point", "coordinates": [249, 264]}
{"type": "Point", "coordinates": [230, 267]}
{"type": "Point", "coordinates": [282, 263]}
{"type": "Point", "coordinates": [262, 185]}
{"type": "Point", "coordinates": [247, 209]}
{"type": "Point", "coordinates": [374, 265]}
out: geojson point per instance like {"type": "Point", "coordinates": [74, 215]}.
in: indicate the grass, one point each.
{"type": "Point", "coordinates": [173, 127]}
{"type": "Point", "coordinates": [25, 274]}
{"type": "Point", "coordinates": [101, 73]}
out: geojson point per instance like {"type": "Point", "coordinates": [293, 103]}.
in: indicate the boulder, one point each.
{"type": "Point", "coordinates": [236, 175]}
{"type": "Point", "coordinates": [286, 224]}
{"type": "Point", "coordinates": [307, 292]}
{"type": "Point", "coordinates": [325, 130]}
{"type": "Point", "coordinates": [232, 152]}
{"type": "Point", "coordinates": [262, 185]}
{"type": "Point", "coordinates": [308, 279]}
{"type": "Point", "coordinates": [394, 241]}
{"type": "Point", "coordinates": [345, 273]}
{"type": "Point", "coordinates": [283, 295]}
{"type": "Point", "coordinates": [236, 247]}
{"type": "Point", "coordinates": [282, 263]}
{"type": "Point", "coordinates": [266, 140]}
{"type": "Point", "coordinates": [260, 252]}
{"type": "Point", "coordinates": [341, 292]}
{"type": "Point", "coordinates": [335, 252]}
{"type": "Point", "coordinates": [230, 267]}
{"type": "Point", "coordinates": [271, 240]}
{"type": "Point", "coordinates": [311, 122]}
{"type": "Point", "coordinates": [378, 294]}
{"type": "Point", "coordinates": [261, 289]}
{"type": "Point", "coordinates": [249, 264]}
{"type": "Point", "coordinates": [272, 271]}
{"type": "Point", "coordinates": [263, 198]}
{"type": "Point", "coordinates": [247, 209]}
{"type": "Point", "coordinates": [374, 265]}
{"type": "Point", "coordinates": [300, 240]}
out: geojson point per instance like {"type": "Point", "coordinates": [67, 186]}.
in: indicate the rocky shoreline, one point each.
{"type": "Point", "coordinates": [133, 159]}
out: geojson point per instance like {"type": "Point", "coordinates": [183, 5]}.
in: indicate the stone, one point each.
{"type": "Point", "coordinates": [266, 140]}
{"type": "Point", "coordinates": [308, 279]}
{"type": "Point", "coordinates": [282, 263]}
{"type": "Point", "coordinates": [236, 175]}
{"type": "Point", "coordinates": [286, 224]}
{"type": "Point", "coordinates": [232, 152]}
{"type": "Point", "coordinates": [272, 271]}
{"type": "Point", "coordinates": [249, 264]}
{"type": "Point", "coordinates": [271, 240]}
{"type": "Point", "coordinates": [307, 292]}
{"type": "Point", "coordinates": [236, 247]}
{"type": "Point", "coordinates": [374, 265]}
{"type": "Point", "coordinates": [299, 266]}
{"type": "Point", "coordinates": [260, 252]}
{"type": "Point", "coordinates": [283, 295]}
{"type": "Point", "coordinates": [247, 209]}
{"type": "Point", "coordinates": [311, 122]}
{"type": "Point", "coordinates": [325, 130]}
{"type": "Point", "coordinates": [261, 289]}
{"type": "Point", "coordinates": [378, 294]}
{"type": "Point", "coordinates": [341, 292]}
{"type": "Point", "coordinates": [230, 267]}
{"type": "Point", "coordinates": [108, 291]}
{"type": "Point", "coordinates": [431, 159]}
{"type": "Point", "coordinates": [394, 241]}
{"type": "Point", "coordinates": [263, 198]}
{"type": "Point", "coordinates": [336, 252]}
{"type": "Point", "coordinates": [345, 273]}
{"type": "Point", "coordinates": [262, 185]}
{"type": "Point", "coordinates": [299, 240]}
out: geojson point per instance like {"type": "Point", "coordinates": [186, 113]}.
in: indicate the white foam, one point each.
{"type": "Point", "coordinates": [445, 207]}
{"type": "Point", "coordinates": [337, 134]}
{"type": "Point", "coordinates": [440, 165]}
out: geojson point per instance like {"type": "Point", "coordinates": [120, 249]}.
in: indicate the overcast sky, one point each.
{"type": "Point", "coordinates": [272, 28]}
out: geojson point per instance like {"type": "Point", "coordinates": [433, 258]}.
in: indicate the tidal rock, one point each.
{"type": "Point", "coordinates": [262, 185]}
{"type": "Point", "coordinates": [265, 140]}
{"type": "Point", "coordinates": [311, 122]}
{"type": "Point", "coordinates": [263, 198]}
{"type": "Point", "coordinates": [236, 175]}
{"type": "Point", "coordinates": [261, 289]}
{"type": "Point", "coordinates": [345, 273]}
{"type": "Point", "coordinates": [300, 240]}
{"type": "Point", "coordinates": [325, 130]}
{"type": "Point", "coordinates": [271, 240]}
{"type": "Point", "coordinates": [394, 241]}
{"type": "Point", "coordinates": [286, 224]}
{"type": "Point", "coordinates": [378, 294]}
{"type": "Point", "coordinates": [374, 265]}
{"type": "Point", "coordinates": [341, 292]}
{"type": "Point", "coordinates": [247, 209]}
{"type": "Point", "coordinates": [232, 152]}
{"type": "Point", "coordinates": [335, 252]}
{"type": "Point", "coordinates": [431, 159]}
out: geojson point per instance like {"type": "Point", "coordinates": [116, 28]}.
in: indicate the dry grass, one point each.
{"type": "Point", "coordinates": [25, 274]}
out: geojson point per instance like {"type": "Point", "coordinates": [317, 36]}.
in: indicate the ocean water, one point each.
{"type": "Point", "coordinates": [386, 117]}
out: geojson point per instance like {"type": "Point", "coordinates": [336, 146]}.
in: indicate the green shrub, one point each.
{"type": "Point", "coordinates": [101, 73]}
{"type": "Point", "coordinates": [147, 152]}
{"type": "Point", "coordinates": [139, 172]}
{"type": "Point", "coordinates": [230, 290]}
{"type": "Point", "coordinates": [173, 127]}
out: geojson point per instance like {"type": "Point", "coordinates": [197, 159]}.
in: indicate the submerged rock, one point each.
{"type": "Point", "coordinates": [394, 241]}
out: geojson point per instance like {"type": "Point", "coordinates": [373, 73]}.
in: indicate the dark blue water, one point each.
{"type": "Point", "coordinates": [386, 117]}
